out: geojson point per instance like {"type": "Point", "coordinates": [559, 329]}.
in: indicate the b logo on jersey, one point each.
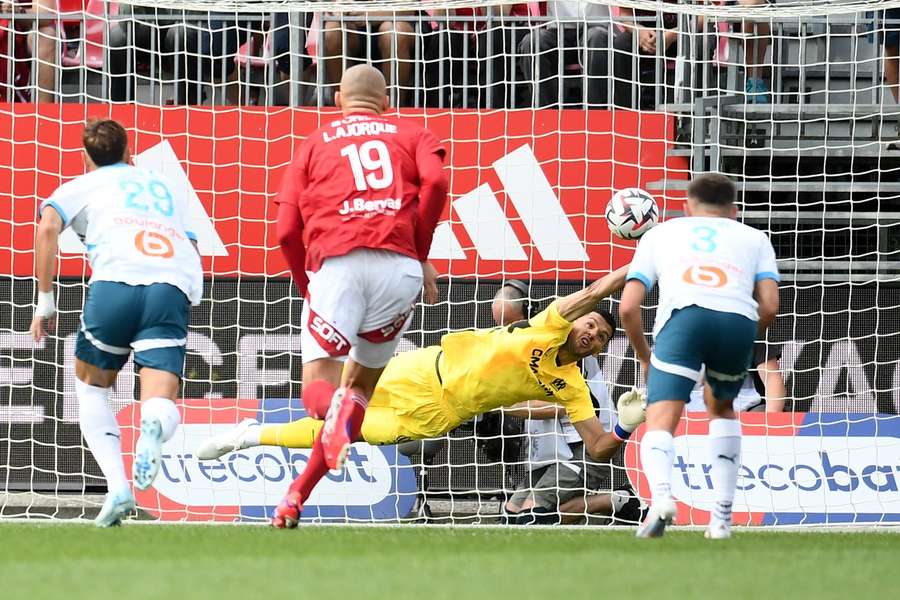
{"type": "Point", "coordinates": [706, 276]}
{"type": "Point", "coordinates": [154, 244]}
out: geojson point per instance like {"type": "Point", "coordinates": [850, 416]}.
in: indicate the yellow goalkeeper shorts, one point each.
{"type": "Point", "coordinates": [407, 401]}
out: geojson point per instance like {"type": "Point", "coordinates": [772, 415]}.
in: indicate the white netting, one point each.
{"type": "Point", "coordinates": [790, 99]}
{"type": "Point", "coordinates": [776, 8]}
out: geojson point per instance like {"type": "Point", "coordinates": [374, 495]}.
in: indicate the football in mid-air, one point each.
{"type": "Point", "coordinates": [631, 213]}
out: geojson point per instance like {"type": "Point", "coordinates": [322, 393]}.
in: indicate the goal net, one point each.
{"type": "Point", "coordinates": [546, 109]}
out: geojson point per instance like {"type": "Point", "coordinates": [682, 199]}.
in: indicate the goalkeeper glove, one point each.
{"type": "Point", "coordinates": [632, 407]}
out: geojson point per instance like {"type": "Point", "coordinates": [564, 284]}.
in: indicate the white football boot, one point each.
{"type": "Point", "coordinates": [661, 514]}
{"type": "Point", "coordinates": [228, 441]}
{"type": "Point", "coordinates": [718, 530]}
{"type": "Point", "coordinates": [147, 453]}
{"type": "Point", "coordinates": [116, 507]}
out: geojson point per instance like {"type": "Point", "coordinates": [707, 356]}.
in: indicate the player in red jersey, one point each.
{"type": "Point", "coordinates": [356, 216]}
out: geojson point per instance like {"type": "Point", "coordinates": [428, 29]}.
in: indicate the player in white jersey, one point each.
{"type": "Point", "coordinates": [146, 273]}
{"type": "Point", "coordinates": [718, 288]}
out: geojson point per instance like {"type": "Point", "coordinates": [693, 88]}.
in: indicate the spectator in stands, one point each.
{"type": "Point", "coordinates": [565, 41]}
{"type": "Point", "coordinates": [15, 68]}
{"type": "Point", "coordinates": [347, 39]}
{"type": "Point", "coordinates": [763, 388]}
{"type": "Point", "coordinates": [560, 484]}
{"type": "Point", "coordinates": [459, 54]}
{"type": "Point", "coordinates": [46, 44]}
{"type": "Point", "coordinates": [642, 37]}
{"type": "Point", "coordinates": [205, 44]}
{"type": "Point", "coordinates": [500, 84]}
{"type": "Point", "coordinates": [138, 38]}
{"type": "Point", "coordinates": [274, 47]}
{"type": "Point", "coordinates": [281, 51]}
{"type": "Point", "coordinates": [756, 87]}
{"type": "Point", "coordinates": [892, 51]}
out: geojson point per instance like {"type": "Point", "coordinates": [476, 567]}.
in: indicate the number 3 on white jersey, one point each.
{"type": "Point", "coordinates": [371, 164]}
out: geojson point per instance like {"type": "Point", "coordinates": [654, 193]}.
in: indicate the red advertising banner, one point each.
{"type": "Point", "coordinates": [529, 188]}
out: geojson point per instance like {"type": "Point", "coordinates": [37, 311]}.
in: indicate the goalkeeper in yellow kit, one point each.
{"type": "Point", "coordinates": [427, 392]}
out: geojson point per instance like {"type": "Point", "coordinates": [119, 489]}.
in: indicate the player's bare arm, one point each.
{"type": "Point", "coordinates": [536, 409]}
{"type": "Point", "coordinates": [600, 444]}
{"type": "Point", "coordinates": [45, 247]}
{"type": "Point", "coordinates": [766, 294]}
{"type": "Point", "coordinates": [584, 301]}
{"type": "Point", "coordinates": [632, 322]}
{"type": "Point", "coordinates": [429, 282]}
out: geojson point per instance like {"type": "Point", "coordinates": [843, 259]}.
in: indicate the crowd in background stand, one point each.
{"type": "Point", "coordinates": [528, 54]}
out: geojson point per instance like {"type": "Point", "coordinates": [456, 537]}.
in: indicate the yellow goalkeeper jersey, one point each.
{"type": "Point", "coordinates": [484, 369]}
{"type": "Point", "coordinates": [427, 392]}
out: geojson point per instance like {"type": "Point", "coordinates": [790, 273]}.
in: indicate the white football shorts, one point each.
{"type": "Point", "coordinates": [359, 305]}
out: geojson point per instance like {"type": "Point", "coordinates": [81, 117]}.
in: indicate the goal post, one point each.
{"type": "Point", "coordinates": [545, 112]}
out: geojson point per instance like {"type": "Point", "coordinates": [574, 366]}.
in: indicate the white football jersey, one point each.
{"type": "Point", "coordinates": [596, 382]}
{"type": "Point", "coordinates": [132, 222]}
{"type": "Point", "coordinates": [711, 262]}
{"type": "Point", "coordinates": [546, 442]}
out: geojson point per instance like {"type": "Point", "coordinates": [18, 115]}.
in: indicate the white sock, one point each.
{"type": "Point", "coordinates": [101, 432]}
{"type": "Point", "coordinates": [251, 437]}
{"type": "Point", "coordinates": [724, 442]}
{"type": "Point", "coordinates": [657, 457]}
{"type": "Point", "coordinates": [164, 410]}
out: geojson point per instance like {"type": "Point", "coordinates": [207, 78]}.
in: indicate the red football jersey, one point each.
{"type": "Point", "coordinates": [356, 183]}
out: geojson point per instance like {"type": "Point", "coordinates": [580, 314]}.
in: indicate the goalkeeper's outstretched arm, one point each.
{"type": "Point", "coordinates": [632, 322]}
{"type": "Point", "coordinates": [582, 302]}
{"type": "Point", "coordinates": [602, 445]}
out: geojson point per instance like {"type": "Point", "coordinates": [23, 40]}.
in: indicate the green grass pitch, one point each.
{"type": "Point", "coordinates": [249, 563]}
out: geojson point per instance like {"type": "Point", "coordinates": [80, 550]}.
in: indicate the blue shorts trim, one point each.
{"type": "Point", "coordinates": [149, 320]}
{"type": "Point", "coordinates": [675, 369]}
{"type": "Point", "coordinates": [695, 337]}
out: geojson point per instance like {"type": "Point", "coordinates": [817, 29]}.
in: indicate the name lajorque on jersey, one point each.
{"type": "Point", "coordinates": [357, 126]}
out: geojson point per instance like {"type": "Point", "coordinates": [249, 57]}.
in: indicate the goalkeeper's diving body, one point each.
{"type": "Point", "coordinates": [427, 392]}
